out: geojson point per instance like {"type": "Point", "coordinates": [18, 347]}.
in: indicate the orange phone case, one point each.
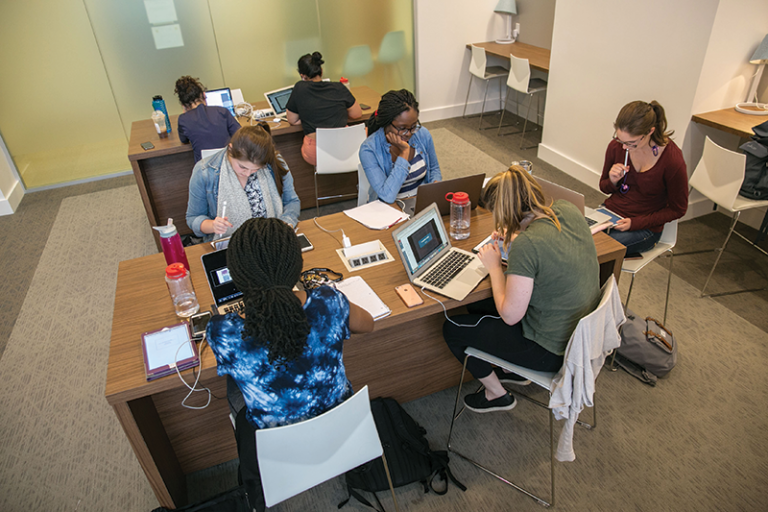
{"type": "Point", "coordinates": [409, 295]}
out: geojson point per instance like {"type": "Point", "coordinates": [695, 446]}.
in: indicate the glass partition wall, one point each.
{"type": "Point", "coordinates": [78, 73]}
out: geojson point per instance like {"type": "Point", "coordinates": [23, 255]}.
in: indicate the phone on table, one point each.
{"type": "Point", "coordinates": [363, 106]}
{"type": "Point", "coordinates": [198, 323]}
{"type": "Point", "coordinates": [304, 242]}
{"type": "Point", "coordinates": [409, 295]}
{"type": "Point", "coordinates": [146, 146]}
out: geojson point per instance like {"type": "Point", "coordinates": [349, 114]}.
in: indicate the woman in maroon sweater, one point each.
{"type": "Point", "coordinates": [645, 175]}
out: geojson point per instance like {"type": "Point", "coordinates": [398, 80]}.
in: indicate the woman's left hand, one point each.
{"type": "Point", "coordinates": [623, 225]}
{"type": "Point", "coordinates": [490, 256]}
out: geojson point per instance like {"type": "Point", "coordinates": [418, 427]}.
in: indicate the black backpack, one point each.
{"type": "Point", "coordinates": [408, 456]}
{"type": "Point", "coordinates": [755, 185]}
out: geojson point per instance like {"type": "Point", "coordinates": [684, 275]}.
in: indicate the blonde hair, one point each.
{"type": "Point", "coordinates": [512, 195]}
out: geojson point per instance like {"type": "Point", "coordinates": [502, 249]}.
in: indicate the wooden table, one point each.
{"type": "Point", "coordinates": [730, 121]}
{"type": "Point", "coordinates": [405, 357]}
{"type": "Point", "coordinates": [537, 57]}
{"type": "Point", "coordinates": [163, 173]}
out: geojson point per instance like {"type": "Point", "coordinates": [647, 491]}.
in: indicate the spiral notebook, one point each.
{"type": "Point", "coordinates": [360, 293]}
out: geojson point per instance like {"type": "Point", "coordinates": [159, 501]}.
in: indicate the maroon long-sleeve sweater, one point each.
{"type": "Point", "coordinates": [655, 196]}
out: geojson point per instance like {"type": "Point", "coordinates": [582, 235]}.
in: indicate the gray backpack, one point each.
{"type": "Point", "coordinates": [648, 350]}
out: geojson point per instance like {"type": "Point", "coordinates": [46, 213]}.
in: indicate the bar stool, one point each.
{"type": "Point", "coordinates": [520, 81]}
{"type": "Point", "coordinates": [478, 68]}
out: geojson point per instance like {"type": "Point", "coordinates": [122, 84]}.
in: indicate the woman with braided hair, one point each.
{"type": "Point", "coordinates": [399, 154]}
{"type": "Point", "coordinates": [285, 352]}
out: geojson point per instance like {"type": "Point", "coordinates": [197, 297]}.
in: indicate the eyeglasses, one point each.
{"type": "Point", "coordinates": [405, 131]}
{"type": "Point", "coordinates": [632, 144]}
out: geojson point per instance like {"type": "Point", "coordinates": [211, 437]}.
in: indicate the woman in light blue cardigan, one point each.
{"type": "Point", "coordinates": [246, 179]}
{"type": "Point", "coordinates": [399, 154]}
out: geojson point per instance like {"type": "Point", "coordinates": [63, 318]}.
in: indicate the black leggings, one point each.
{"type": "Point", "coordinates": [497, 338]}
{"type": "Point", "coordinates": [248, 471]}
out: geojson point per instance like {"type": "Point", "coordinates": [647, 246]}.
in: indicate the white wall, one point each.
{"type": "Point", "coordinates": [443, 29]}
{"type": "Point", "coordinates": [11, 188]}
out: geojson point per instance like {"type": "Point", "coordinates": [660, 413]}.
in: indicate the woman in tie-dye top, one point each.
{"type": "Point", "coordinates": [285, 354]}
{"type": "Point", "coordinates": [399, 154]}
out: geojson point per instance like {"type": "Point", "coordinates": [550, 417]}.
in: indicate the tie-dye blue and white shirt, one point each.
{"type": "Point", "coordinates": [301, 389]}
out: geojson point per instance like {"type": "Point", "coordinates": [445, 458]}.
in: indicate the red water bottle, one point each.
{"type": "Point", "coordinates": [173, 250]}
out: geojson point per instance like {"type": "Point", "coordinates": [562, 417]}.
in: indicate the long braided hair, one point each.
{"type": "Point", "coordinates": [265, 261]}
{"type": "Point", "coordinates": [392, 104]}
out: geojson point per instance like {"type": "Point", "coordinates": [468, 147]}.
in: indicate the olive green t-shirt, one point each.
{"type": "Point", "coordinates": [565, 272]}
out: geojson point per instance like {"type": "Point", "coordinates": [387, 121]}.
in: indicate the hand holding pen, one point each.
{"type": "Point", "coordinates": [619, 171]}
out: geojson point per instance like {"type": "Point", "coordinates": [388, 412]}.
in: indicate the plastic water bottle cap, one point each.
{"type": "Point", "coordinates": [459, 198]}
{"type": "Point", "coordinates": [175, 271]}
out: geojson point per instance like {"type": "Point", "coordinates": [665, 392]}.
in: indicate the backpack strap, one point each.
{"type": "Point", "coordinates": [359, 497]}
{"type": "Point", "coordinates": [440, 461]}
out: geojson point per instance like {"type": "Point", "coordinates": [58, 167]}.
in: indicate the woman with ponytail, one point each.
{"type": "Point", "coordinates": [399, 154]}
{"type": "Point", "coordinates": [246, 179]}
{"type": "Point", "coordinates": [549, 284]}
{"type": "Point", "coordinates": [284, 351]}
{"type": "Point", "coordinates": [645, 175]}
{"type": "Point", "coordinates": [317, 104]}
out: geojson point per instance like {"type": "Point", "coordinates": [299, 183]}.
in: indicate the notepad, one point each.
{"type": "Point", "coordinates": [360, 293]}
{"type": "Point", "coordinates": [377, 215]}
{"type": "Point", "coordinates": [168, 348]}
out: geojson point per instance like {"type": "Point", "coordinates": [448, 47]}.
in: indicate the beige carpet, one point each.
{"type": "Point", "coordinates": [458, 158]}
{"type": "Point", "coordinates": [61, 447]}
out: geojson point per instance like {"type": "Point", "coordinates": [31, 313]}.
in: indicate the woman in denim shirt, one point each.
{"type": "Point", "coordinates": [247, 179]}
{"type": "Point", "coordinates": [401, 155]}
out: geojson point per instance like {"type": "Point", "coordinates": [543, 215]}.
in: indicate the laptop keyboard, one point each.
{"type": "Point", "coordinates": [233, 307]}
{"type": "Point", "coordinates": [590, 222]}
{"type": "Point", "coordinates": [447, 269]}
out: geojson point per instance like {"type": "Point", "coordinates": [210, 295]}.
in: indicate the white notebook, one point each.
{"type": "Point", "coordinates": [360, 293]}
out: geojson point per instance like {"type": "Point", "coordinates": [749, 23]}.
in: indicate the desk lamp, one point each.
{"type": "Point", "coordinates": [508, 7]}
{"type": "Point", "coordinates": [760, 57]}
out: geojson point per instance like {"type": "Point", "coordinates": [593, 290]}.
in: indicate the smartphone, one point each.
{"type": "Point", "coordinates": [221, 243]}
{"type": "Point", "coordinates": [363, 106]}
{"type": "Point", "coordinates": [488, 240]}
{"type": "Point", "coordinates": [198, 323]}
{"type": "Point", "coordinates": [304, 242]}
{"type": "Point", "coordinates": [147, 146]}
{"type": "Point", "coordinates": [409, 295]}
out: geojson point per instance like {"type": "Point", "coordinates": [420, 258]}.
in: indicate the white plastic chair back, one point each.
{"type": "Point", "coordinates": [297, 457]}
{"type": "Point", "coordinates": [478, 62]}
{"type": "Point", "coordinates": [719, 174]}
{"type": "Point", "coordinates": [392, 47]}
{"type": "Point", "coordinates": [338, 149]}
{"type": "Point", "coordinates": [519, 74]}
{"type": "Point", "coordinates": [363, 187]}
{"type": "Point", "coordinates": [205, 153]}
{"type": "Point", "coordinates": [669, 234]}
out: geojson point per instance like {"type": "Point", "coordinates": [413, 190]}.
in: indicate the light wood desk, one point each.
{"type": "Point", "coordinates": [163, 173]}
{"type": "Point", "coordinates": [730, 121]}
{"type": "Point", "coordinates": [537, 57]}
{"type": "Point", "coordinates": [405, 357]}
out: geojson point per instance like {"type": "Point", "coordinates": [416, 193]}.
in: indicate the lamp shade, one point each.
{"type": "Point", "coordinates": [759, 57]}
{"type": "Point", "coordinates": [510, 7]}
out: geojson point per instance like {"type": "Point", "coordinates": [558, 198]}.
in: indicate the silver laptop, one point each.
{"type": "Point", "coordinates": [554, 191]}
{"type": "Point", "coordinates": [220, 98]}
{"type": "Point", "coordinates": [429, 193]}
{"type": "Point", "coordinates": [431, 262]}
{"type": "Point", "coordinates": [226, 296]}
{"type": "Point", "coordinates": [278, 99]}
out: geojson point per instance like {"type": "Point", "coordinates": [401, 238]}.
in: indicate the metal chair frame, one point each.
{"type": "Point", "coordinates": [489, 74]}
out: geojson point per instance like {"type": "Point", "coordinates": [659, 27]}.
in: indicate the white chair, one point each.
{"type": "Point", "coordinates": [297, 457]}
{"type": "Point", "coordinates": [205, 153]}
{"type": "Point", "coordinates": [719, 176]}
{"type": "Point", "coordinates": [392, 50]}
{"type": "Point", "coordinates": [520, 81]}
{"type": "Point", "coordinates": [337, 152]}
{"type": "Point", "coordinates": [666, 244]}
{"type": "Point", "coordinates": [363, 187]}
{"type": "Point", "coordinates": [608, 308]}
{"type": "Point", "coordinates": [478, 68]}
{"type": "Point", "coordinates": [358, 61]}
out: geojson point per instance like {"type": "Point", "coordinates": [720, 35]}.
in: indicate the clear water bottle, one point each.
{"type": "Point", "coordinates": [525, 164]}
{"type": "Point", "coordinates": [181, 290]}
{"type": "Point", "coordinates": [461, 208]}
{"type": "Point", "coordinates": [158, 103]}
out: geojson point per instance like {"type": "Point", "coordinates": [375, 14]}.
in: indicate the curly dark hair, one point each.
{"type": "Point", "coordinates": [392, 104]}
{"type": "Point", "coordinates": [264, 259]}
{"type": "Point", "coordinates": [311, 65]}
{"type": "Point", "coordinates": [189, 90]}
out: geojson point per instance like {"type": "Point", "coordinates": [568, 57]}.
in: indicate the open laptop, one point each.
{"type": "Point", "coordinates": [225, 294]}
{"type": "Point", "coordinates": [431, 262]}
{"type": "Point", "coordinates": [278, 99]}
{"type": "Point", "coordinates": [429, 193]}
{"type": "Point", "coordinates": [554, 191]}
{"type": "Point", "coordinates": [220, 98]}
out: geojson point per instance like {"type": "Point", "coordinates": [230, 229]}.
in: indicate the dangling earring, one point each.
{"type": "Point", "coordinates": [655, 150]}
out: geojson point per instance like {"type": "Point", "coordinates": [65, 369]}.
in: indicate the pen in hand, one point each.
{"type": "Point", "coordinates": [626, 159]}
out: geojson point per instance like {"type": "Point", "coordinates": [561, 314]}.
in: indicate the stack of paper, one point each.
{"type": "Point", "coordinates": [360, 293]}
{"type": "Point", "coordinates": [377, 215]}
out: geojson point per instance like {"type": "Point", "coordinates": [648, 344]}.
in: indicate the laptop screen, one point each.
{"type": "Point", "coordinates": [279, 99]}
{"type": "Point", "coordinates": [220, 98]}
{"type": "Point", "coordinates": [219, 278]}
{"type": "Point", "coordinates": [422, 240]}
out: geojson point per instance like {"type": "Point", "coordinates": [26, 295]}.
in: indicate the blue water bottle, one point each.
{"type": "Point", "coordinates": [159, 104]}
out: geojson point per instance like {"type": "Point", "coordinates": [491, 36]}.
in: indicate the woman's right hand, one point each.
{"type": "Point", "coordinates": [617, 172]}
{"type": "Point", "coordinates": [403, 148]}
{"type": "Point", "coordinates": [221, 225]}
{"type": "Point", "coordinates": [490, 256]}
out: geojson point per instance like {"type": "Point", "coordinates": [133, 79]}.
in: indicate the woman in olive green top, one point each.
{"type": "Point", "coordinates": [550, 283]}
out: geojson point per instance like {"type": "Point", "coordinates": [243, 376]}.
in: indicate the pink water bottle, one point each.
{"type": "Point", "coordinates": [170, 240]}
